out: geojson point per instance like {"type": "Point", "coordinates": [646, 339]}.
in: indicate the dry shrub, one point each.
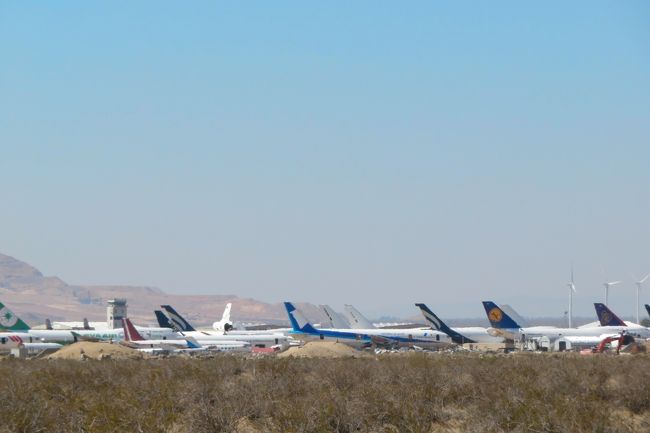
{"type": "Point", "coordinates": [417, 393]}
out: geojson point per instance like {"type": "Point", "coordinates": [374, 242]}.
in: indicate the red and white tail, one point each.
{"type": "Point", "coordinates": [130, 333]}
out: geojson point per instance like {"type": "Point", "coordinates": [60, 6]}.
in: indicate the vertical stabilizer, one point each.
{"type": "Point", "coordinates": [163, 321]}
{"type": "Point", "coordinates": [606, 317]}
{"type": "Point", "coordinates": [299, 322]}
{"type": "Point", "coordinates": [9, 321]}
{"type": "Point", "coordinates": [177, 320]}
{"type": "Point", "coordinates": [335, 319]}
{"type": "Point", "coordinates": [356, 319]}
{"type": "Point", "coordinates": [130, 333]}
{"type": "Point", "coordinates": [437, 324]}
{"type": "Point", "coordinates": [498, 318]}
{"type": "Point", "coordinates": [225, 317]}
{"type": "Point", "coordinates": [515, 316]}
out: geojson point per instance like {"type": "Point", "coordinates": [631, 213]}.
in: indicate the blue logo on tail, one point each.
{"type": "Point", "coordinates": [498, 318]}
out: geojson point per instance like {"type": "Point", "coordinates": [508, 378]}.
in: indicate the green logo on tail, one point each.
{"type": "Point", "coordinates": [9, 321]}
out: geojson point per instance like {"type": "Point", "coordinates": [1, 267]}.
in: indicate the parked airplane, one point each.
{"type": "Point", "coordinates": [335, 320]}
{"type": "Point", "coordinates": [12, 340]}
{"type": "Point", "coordinates": [133, 339]}
{"type": "Point", "coordinates": [503, 325]}
{"type": "Point", "coordinates": [257, 339]}
{"type": "Point", "coordinates": [397, 337]}
{"type": "Point", "coordinates": [458, 335]}
{"type": "Point", "coordinates": [10, 322]}
{"type": "Point", "coordinates": [355, 319]}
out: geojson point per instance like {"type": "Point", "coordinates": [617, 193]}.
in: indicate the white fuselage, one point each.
{"type": "Point", "coordinates": [63, 336]}
{"type": "Point", "coordinates": [478, 334]}
{"type": "Point", "coordinates": [256, 340]}
{"type": "Point", "coordinates": [425, 338]}
{"type": "Point", "coordinates": [544, 331]}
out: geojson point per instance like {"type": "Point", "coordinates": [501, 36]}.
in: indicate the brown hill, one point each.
{"type": "Point", "coordinates": [36, 297]}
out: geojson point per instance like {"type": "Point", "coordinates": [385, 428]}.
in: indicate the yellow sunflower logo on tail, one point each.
{"type": "Point", "coordinates": [495, 315]}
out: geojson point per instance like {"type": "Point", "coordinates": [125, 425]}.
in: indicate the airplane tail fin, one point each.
{"type": "Point", "coordinates": [498, 318]}
{"type": "Point", "coordinates": [192, 343]}
{"type": "Point", "coordinates": [9, 321]}
{"type": "Point", "coordinates": [607, 316]}
{"type": "Point", "coordinates": [299, 322]}
{"type": "Point", "coordinates": [226, 313]}
{"type": "Point", "coordinates": [356, 319]}
{"type": "Point", "coordinates": [334, 318]}
{"type": "Point", "coordinates": [224, 324]}
{"type": "Point", "coordinates": [163, 321]}
{"type": "Point", "coordinates": [647, 308]}
{"type": "Point", "coordinates": [86, 324]}
{"type": "Point", "coordinates": [515, 316]}
{"type": "Point", "coordinates": [177, 320]}
{"type": "Point", "coordinates": [48, 324]}
{"type": "Point", "coordinates": [130, 333]}
{"type": "Point", "coordinates": [437, 324]}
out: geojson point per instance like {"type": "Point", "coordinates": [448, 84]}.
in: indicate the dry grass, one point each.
{"type": "Point", "coordinates": [415, 393]}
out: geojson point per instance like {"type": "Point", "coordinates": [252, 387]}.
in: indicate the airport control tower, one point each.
{"type": "Point", "coordinates": [115, 312]}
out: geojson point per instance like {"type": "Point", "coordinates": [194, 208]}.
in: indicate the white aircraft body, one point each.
{"type": "Point", "coordinates": [504, 326]}
{"type": "Point", "coordinates": [12, 340]}
{"type": "Point", "coordinates": [255, 339]}
{"type": "Point", "coordinates": [11, 323]}
{"type": "Point", "coordinates": [133, 338]}
{"type": "Point", "coordinates": [423, 338]}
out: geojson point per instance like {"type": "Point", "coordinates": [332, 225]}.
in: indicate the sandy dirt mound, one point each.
{"type": "Point", "coordinates": [322, 349]}
{"type": "Point", "coordinates": [88, 350]}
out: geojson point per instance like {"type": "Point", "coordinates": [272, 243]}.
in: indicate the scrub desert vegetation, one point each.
{"type": "Point", "coordinates": [415, 392]}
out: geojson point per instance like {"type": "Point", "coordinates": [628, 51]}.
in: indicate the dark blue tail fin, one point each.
{"type": "Point", "coordinates": [439, 325]}
{"type": "Point", "coordinates": [606, 316]}
{"type": "Point", "coordinates": [163, 321]}
{"type": "Point", "coordinates": [647, 308]}
{"type": "Point", "coordinates": [298, 322]}
{"type": "Point", "coordinates": [177, 320]}
{"type": "Point", "coordinates": [498, 318]}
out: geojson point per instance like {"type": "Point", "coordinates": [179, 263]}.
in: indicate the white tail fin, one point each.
{"type": "Point", "coordinates": [226, 313]}
{"type": "Point", "coordinates": [224, 324]}
{"type": "Point", "coordinates": [334, 318]}
{"type": "Point", "coordinates": [356, 319]}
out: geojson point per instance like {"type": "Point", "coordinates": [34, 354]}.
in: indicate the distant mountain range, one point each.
{"type": "Point", "coordinates": [35, 297]}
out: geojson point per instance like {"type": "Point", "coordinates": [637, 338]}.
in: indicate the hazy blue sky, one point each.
{"type": "Point", "coordinates": [377, 153]}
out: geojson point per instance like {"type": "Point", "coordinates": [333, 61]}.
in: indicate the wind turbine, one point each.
{"type": "Point", "coordinates": [638, 290]}
{"type": "Point", "coordinates": [572, 289]}
{"type": "Point", "coordinates": [607, 285]}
